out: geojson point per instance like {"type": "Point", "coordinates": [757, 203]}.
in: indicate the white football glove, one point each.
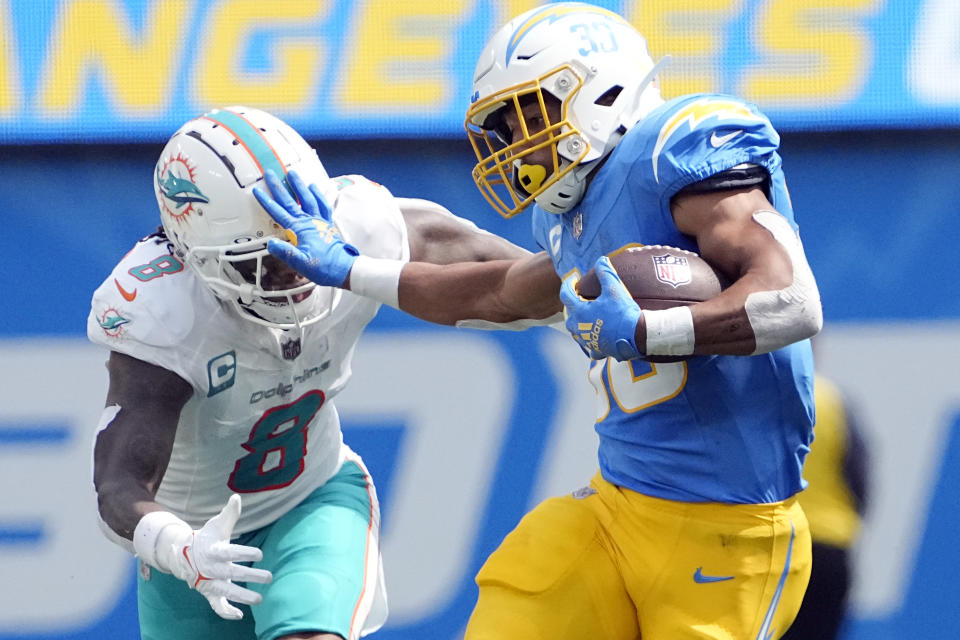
{"type": "Point", "coordinates": [204, 558]}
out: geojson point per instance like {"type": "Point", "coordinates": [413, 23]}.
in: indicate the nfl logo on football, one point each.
{"type": "Point", "coordinates": [672, 270]}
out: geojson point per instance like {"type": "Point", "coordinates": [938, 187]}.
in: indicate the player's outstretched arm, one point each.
{"type": "Point", "coordinates": [497, 291]}
{"type": "Point", "coordinates": [480, 276]}
{"type": "Point", "coordinates": [131, 454]}
{"type": "Point", "coordinates": [437, 236]}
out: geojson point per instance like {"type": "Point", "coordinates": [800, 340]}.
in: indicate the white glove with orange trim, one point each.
{"type": "Point", "coordinates": [204, 558]}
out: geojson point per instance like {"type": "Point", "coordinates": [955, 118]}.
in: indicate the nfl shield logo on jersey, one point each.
{"type": "Point", "coordinates": [290, 349]}
{"type": "Point", "coordinates": [672, 270]}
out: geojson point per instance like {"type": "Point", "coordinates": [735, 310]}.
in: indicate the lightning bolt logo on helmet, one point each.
{"type": "Point", "coordinates": [552, 13]}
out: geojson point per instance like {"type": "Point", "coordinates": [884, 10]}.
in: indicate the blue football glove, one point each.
{"type": "Point", "coordinates": [605, 326]}
{"type": "Point", "coordinates": [319, 252]}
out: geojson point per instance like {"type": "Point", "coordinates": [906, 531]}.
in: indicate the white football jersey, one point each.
{"type": "Point", "coordinates": [261, 421]}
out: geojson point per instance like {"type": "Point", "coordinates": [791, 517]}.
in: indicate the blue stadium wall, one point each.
{"type": "Point", "coordinates": [465, 431]}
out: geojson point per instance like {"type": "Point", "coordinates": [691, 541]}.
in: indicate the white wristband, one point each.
{"type": "Point", "coordinates": [377, 278]}
{"type": "Point", "coordinates": [669, 332]}
{"type": "Point", "coordinates": [148, 531]}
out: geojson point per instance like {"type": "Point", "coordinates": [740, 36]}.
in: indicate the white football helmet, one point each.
{"type": "Point", "coordinates": [599, 69]}
{"type": "Point", "coordinates": [204, 186]}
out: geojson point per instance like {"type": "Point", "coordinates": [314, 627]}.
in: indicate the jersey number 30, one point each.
{"type": "Point", "coordinates": [635, 385]}
{"type": "Point", "coordinates": [276, 446]}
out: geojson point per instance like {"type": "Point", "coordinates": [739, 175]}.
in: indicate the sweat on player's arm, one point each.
{"type": "Point", "coordinates": [439, 237]}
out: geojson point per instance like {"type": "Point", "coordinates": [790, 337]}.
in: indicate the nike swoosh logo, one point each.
{"type": "Point", "coordinates": [719, 141]}
{"type": "Point", "coordinates": [700, 578]}
{"type": "Point", "coordinates": [127, 295]}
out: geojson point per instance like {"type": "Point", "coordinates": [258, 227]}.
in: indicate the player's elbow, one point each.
{"type": "Point", "coordinates": [781, 321]}
{"type": "Point", "coordinates": [807, 320]}
{"type": "Point", "coordinates": [812, 319]}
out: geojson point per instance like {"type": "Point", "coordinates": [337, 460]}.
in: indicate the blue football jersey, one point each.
{"type": "Point", "coordinates": [732, 429]}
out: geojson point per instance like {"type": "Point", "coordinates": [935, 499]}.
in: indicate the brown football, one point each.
{"type": "Point", "coordinates": [659, 277]}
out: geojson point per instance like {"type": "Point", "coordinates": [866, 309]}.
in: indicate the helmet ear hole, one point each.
{"type": "Point", "coordinates": [609, 96]}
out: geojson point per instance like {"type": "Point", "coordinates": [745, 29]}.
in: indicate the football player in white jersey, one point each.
{"type": "Point", "coordinates": [223, 367]}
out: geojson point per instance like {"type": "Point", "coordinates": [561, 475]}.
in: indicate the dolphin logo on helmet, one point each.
{"type": "Point", "coordinates": [179, 190]}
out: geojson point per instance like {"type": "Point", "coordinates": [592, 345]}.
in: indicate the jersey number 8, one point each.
{"type": "Point", "coordinates": [276, 446]}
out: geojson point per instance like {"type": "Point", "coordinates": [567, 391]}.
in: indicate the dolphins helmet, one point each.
{"type": "Point", "coordinates": [591, 61]}
{"type": "Point", "coordinates": [204, 186]}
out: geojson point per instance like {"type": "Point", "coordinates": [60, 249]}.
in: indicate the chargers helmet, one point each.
{"type": "Point", "coordinates": [589, 59]}
{"type": "Point", "coordinates": [204, 183]}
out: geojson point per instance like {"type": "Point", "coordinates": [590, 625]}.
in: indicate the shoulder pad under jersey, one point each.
{"type": "Point", "coordinates": [742, 176]}
{"type": "Point", "coordinates": [700, 135]}
{"type": "Point", "coordinates": [369, 218]}
{"type": "Point", "coordinates": [149, 298]}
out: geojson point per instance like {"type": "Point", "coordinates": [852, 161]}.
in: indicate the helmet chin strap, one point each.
{"type": "Point", "coordinates": [292, 315]}
{"type": "Point", "coordinates": [246, 294]}
{"type": "Point", "coordinates": [565, 193]}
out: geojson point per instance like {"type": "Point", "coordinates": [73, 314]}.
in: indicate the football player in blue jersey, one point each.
{"type": "Point", "coordinates": [691, 528]}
